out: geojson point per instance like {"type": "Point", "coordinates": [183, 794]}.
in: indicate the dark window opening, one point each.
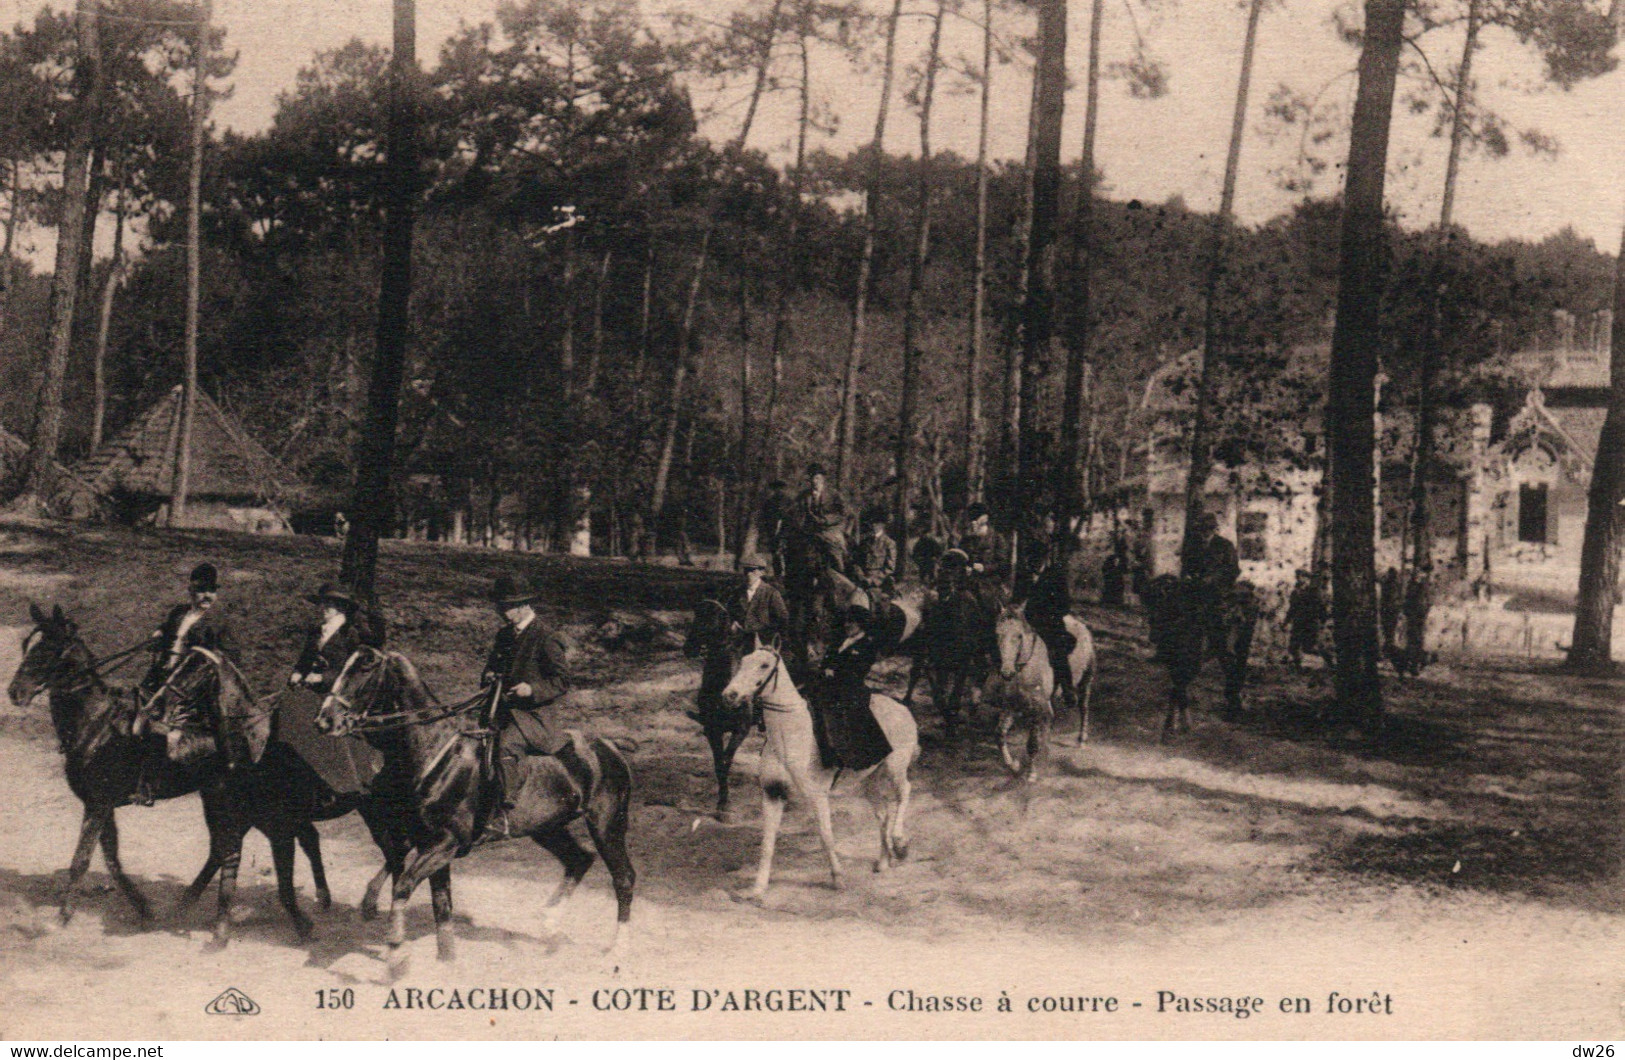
{"type": "Point", "coordinates": [1252, 530]}
{"type": "Point", "coordinates": [1532, 511]}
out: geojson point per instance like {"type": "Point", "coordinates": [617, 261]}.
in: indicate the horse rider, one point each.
{"type": "Point", "coordinates": [757, 609]}
{"type": "Point", "coordinates": [987, 558]}
{"type": "Point", "coordinates": [820, 514]}
{"type": "Point", "coordinates": [346, 625]}
{"type": "Point", "coordinates": [1217, 570]}
{"type": "Point", "coordinates": [773, 521]}
{"type": "Point", "coordinates": [529, 668]}
{"type": "Point", "coordinates": [195, 624]}
{"type": "Point", "coordinates": [1047, 592]}
{"type": "Point", "coordinates": [875, 565]}
{"type": "Point", "coordinates": [847, 733]}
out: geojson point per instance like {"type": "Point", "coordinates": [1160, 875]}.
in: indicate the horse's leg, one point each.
{"type": "Point", "coordinates": [775, 794]}
{"type": "Point", "coordinates": [310, 841]}
{"type": "Point", "coordinates": [608, 826]}
{"type": "Point", "coordinates": [576, 860]}
{"type": "Point", "coordinates": [1007, 722]}
{"type": "Point", "coordinates": [387, 836]}
{"type": "Point", "coordinates": [201, 882]}
{"type": "Point", "coordinates": [90, 829]}
{"type": "Point", "coordinates": [445, 938]}
{"type": "Point", "coordinates": [424, 861]}
{"type": "Point", "coordinates": [1038, 740]}
{"type": "Point", "coordinates": [880, 806]}
{"type": "Point", "coordinates": [126, 885]}
{"type": "Point", "coordinates": [226, 848]}
{"type": "Point", "coordinates": [897, 764]}
{"type": "Point", "coordinates": [819, 794]}
{"type": "Point", "coordinates": [1083, 704]}
{"type": "Point", "coordinates": [282, 848]}
{"type": "Point", "coordinates": [721, 761]}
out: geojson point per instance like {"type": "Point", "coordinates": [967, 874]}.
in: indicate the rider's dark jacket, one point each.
{"type": "Point", "coordinates": [211, 631]}
{"type": "Point", "coordinates": [535, 656]}
{"type": "Point", "coordinates": [327, 659]}
{"type": "Point", "coordinates": [876, 561]}
{"type": "Point", "coordinates": [761, 617]}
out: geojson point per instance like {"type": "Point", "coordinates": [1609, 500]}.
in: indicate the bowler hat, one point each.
{"type": "Point", "coordinates": [753, 561]}
{"type": "Point", "coordinates": [976, 511]}
{"type": "Point", "coordinates": [815, 469]}
{"type": "Point", "coordinates": [511, 590]}
{"type": "Point", "coordinates": [338, 594]}
{"type": "Point", "coordinates": [204, 579]}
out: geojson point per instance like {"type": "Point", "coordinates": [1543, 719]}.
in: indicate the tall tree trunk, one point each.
{"type": "Point", "coordinates": [595, 354]}
{"type": "Point", "coordinates": [1068, 485]}
{"type": "Point", "coordinates": [1201, 458]}
{"type": "Point", "coordinates": [1433, 352]}
{"type": "Point", "coordinates": [182, 482]}
{"type": "Point", "coordinates": [47, 433]}
{"type": "Point", "coordinates": [94, 193]}
{"type": "Point", "coordinates": [1351, 403]}
{"type": "Point", "coordinates": [702, 257]}
{"type": "Point", "coordinates": [742, 492]}
{"type": "Point", "coordinates": [104, 322]}
{"type": "Point", "coordinates": [975, 428]}
{"type": "Point", "coordinates": [913, 308]}
{"type": "Point", "coordinates": [1599, 550]}
{"type": "Point", "coordinates": [846, 452]}
{"type": "Point", "coordinates": [373, 506]}
{"type": "Point", "coordinates": [1009, 444]}
{"type": "Point", "coordinates": [1038, 306]}
{"type": "Point", "coordinates": [790, 282]}
{"type": "Point", "coordinates": [8, 263]}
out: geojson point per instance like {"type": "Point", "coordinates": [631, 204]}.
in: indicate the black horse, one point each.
{"type": "Point", "coordinates": [380, 695]}
{"type": "Point", "coordinates": [104, 759]}
{"type": "Point", "coordinates": [726, 726]}
{"type": "Point", "coordinates": [1185, 632]}
{"type": "Point", "coordinates": [809, 594]}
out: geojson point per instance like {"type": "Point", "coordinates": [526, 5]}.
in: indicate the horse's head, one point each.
{"type": "Point", "coordinates": [758, 673]}
{"type": "Point", "coordinates": [709, 631]}
{"type": "Point", "coordinates": [1017, 642]}
{"type": "Point", "coordinates": [53, 657]}
{"type": "Point", "coordinates": [355, 692]}
{"type": "Point", "coordinates": [189, 703]}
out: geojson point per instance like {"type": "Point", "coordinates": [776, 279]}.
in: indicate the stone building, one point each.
{"type": "Point", "coordinates": [1507, 496]}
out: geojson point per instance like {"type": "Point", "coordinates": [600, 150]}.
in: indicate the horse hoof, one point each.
{"type": "Point", "coordinates": [324, 901]}
{"type": "Point", "coordinates": [446, 946]}
{"type": "Point", "coordinates": [899, 848]}
{"type": "Point", "coordinates": [398, 961]}
{"type": "Point", "coordinates": [837, 883]}
{"type": "Point", "coordinates": [727, 815]}
{"type": "Point", "coordinates": [304, 928]}
{"type": "Point", "coordinates": [369, 910]}
{"type": "Point", "coordinates": [64, 915]}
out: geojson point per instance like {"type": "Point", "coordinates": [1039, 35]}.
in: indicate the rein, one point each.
{"type": "Point", "coordinates": [772, 679]}
{"type": "Point", "coordinates": [366, 721]}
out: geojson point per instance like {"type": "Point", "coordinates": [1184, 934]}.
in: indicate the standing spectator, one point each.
{"type": "Point", "coordinates": [1305, 618]}
{"type": "Point", "coordinates": [1390, 604]}
{"type": "Point", "coordinates": [875, 565]}
{"type": "Point", "coordinates": [1113, 575]}
{"type": "Point", "coordinates": [1418, 602]}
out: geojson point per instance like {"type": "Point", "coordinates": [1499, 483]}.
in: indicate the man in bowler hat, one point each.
{"type": "Point", "coordinates": [528, 663]}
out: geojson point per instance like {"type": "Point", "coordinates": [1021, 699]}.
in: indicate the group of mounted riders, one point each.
{"type": "Point", "coordinates": [526, 670]}
{"type": "Point", "coordinates": [868, 619]}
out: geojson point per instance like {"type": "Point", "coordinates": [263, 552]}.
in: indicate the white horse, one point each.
{"type": "Point", "coordinates": [790, 763]}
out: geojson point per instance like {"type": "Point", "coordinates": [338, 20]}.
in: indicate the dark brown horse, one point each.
{"type": "Point", "coordinates": [380, 694]}
{"type": "Point", "coordinates": [726, 725]}
{"type": "Point", "coordinates": [280, 795]}
{"type": "Point", "coordinates": [954, 639]}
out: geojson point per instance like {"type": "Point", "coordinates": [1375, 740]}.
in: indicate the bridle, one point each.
{"type": "Point", "coordinates": [1028, 641]}
{"type": "Point", "coordinates": [769, 682]}
{"type": "Point", "coordinates": [364, 720]}
{"type": "Point", "coordinates": [60, 669]}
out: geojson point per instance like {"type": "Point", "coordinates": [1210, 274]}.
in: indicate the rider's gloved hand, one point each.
{"type": "Point", "coordinates": [313, 679]}
{"type": "Point", "coordinates": [294, 679]}
{"type": "Point", "coordinates": [522, 690]}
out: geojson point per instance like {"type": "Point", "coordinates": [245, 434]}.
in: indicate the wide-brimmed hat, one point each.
{"type": "Point", "coordinates": [511, 590]}
{"type": "Point", "coordinates": [975, 511]}
{"type": "Point", "coordinates": [338, 594]}
{"type": "Point", "coordinates": [753, 561]}
{"type": "Point", "coordinates": [204, 579]}
{"type": "Point", "coordinates": [815, 469]}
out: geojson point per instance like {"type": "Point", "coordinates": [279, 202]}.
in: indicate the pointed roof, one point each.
{"type": "Point", "coordinates": [226, 462]}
